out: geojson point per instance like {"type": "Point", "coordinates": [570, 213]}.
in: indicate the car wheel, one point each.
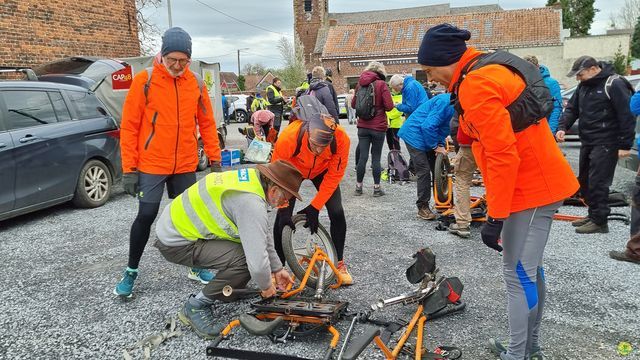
{"type": "Point", "coordinates": [203, 159]}
{"type": "Point", "coordinates": [240, 116]}
{"type": "Point", "coordinates": [94, 185]}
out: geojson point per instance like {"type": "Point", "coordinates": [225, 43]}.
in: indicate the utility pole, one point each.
{"type": "Point", "coordinates": [239, 59]}
{"type": "Point", "coordinates": [169, 11]}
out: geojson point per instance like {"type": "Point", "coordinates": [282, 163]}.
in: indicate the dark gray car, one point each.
{"type": "Point", "coordinates": [57, 143]}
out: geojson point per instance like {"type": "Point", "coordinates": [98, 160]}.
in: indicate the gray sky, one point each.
{"type": "Point", "coordinates": [216, 37]}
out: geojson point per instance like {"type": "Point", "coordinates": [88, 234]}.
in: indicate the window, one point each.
{"type": "Point", "coordinates": [59, 106]}
{"type": "Point", "coordinates": [29, 108]}
{"type": "Point", "coordinates": [86, 105]}
{"type": "Point", "coordinates": [307, 6]}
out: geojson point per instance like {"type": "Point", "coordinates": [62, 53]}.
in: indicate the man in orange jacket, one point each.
{"type": "Point", "coordinates": [525, 174]}
{"type": "Point", "coordinates": [319, 149]}
{"type": "Point", "coordinates": [158, 140]}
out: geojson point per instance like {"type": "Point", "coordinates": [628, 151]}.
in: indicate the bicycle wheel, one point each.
{"type": "Point", "coordinates": [441, 178]}
{"type": "Point", "coordinates": [299, 247]}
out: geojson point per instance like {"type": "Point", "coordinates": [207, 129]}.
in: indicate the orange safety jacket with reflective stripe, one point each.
{"type": "Point", "coordinates": [311, 165]}
{"type": "Point", "coordinates": [159, 131]}
{"type": "Point", "coordinates": [520, 170]}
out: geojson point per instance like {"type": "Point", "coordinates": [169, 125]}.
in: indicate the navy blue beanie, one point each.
{"type": "Point", "coordinates": [176, 39]}
{"type": "Point", "coordinates": [443, 45]}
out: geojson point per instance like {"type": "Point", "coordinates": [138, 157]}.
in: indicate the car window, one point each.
{"type": "Point", "coordinates": [85, 104]}
{"type": "Point", "coordinates": [28, 108]}
{"type": "Point", "coordinates": [60, 107]}
{"type": "Point", "coordinates": [233, 98]}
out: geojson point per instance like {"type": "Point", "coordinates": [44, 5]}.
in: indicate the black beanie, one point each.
{"type": "Point", "coordinates": [176, 39]}
{"type": "Point", "coordinates": [443, 45]}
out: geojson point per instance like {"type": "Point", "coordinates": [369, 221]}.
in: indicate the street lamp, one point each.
{"type": "Point", "coordinates": [239, 59]}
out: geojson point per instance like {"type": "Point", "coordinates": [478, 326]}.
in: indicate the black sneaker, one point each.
{"type": "Point", "coordinates": [377, 192]}
{"type": "Point", "coordinates": [358, 191]}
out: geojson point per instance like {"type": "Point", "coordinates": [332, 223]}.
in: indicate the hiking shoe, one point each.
{"type": "Point", "coordinates": [462, 231]}
{"type": "Point", "coordinates": [202, 275]}
{"type": "Point", "coordinates": [580, 222]}
{"type": "Point", "coordinates": [200, 319]}
{"type": "Point", "coordinates": [426, 213]}
{"type": "Point", "coordinates": [358, 191]}
{"type": "Point", "coordinates": [125, 287]}
{"type": "Point", "coordinates": [622, 256]}
{"type": "Point", "coordinates": [592, 228]}
{"type": "Point", "coordinates": [497, 347]}
{"type": "Point", "coordinates": [347, 279]}
{"type": "Point", "coordinates": [377, 192]}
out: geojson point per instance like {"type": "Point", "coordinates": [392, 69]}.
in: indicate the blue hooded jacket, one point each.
{"type": "Point", "coordinates": [428, 126]}
{"type": "Point", "coordinates": [635, 109]}
{"type": "Point", "coordinates": [413, 94]}
{"type": "Point", "coordinates": [554, 88]}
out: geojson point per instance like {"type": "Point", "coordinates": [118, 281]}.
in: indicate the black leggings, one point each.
{"type": "Point", "coordinates": [368, 138]}
{"type": "Point", "coordinates": [393, 141]}
{"type": "Point", "coordinates": [140, 230]}
{"type": "Point", "coordinates": [338, 227]}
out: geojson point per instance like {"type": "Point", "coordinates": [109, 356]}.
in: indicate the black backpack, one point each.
{"type": "Point", "coordinates": [366, 101]}
{"type": "Point", "coordinates": [535, 101]}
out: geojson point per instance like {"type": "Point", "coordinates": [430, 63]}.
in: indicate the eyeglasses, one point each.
{"type": "Point", "coordinates": [171, 61]}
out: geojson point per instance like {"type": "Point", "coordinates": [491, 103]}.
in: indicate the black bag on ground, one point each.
{"type": "Point", "coordinates": [397, 166]}
{"type": "Point", "coordinates": [425, 264]}
{"type": "Point", "coordinates": [365, 102]}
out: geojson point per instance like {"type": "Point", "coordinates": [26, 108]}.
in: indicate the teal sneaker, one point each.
{"type": "Point", "coordinates": [200, 319]}
{"type": "Point", "coordinates": [125, 286]}
{"type": "Point", "coordinates": [202, 275]}
{"type": "Point", "coordinates": [498, 347]}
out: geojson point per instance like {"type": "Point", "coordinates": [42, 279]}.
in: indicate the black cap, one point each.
{"type": "Point", "coordinates": [581, 63]}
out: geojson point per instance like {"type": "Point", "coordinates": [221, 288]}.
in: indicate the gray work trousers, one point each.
{"type": "Point", "coordinates": [524, 237]}
{"type": "Point", "coordinates": [225, 256]}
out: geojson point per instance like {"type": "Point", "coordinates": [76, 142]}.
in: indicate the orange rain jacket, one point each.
{"type": "Point", "coordinates": [159, 132]}
{"type": "Point", "coordinates": [521, 170]}
{"type": "Point", "coordinates": [310, 165]}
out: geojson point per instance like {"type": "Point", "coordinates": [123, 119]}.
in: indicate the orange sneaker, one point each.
{"type": "Point", "coordinates": [344, 273]}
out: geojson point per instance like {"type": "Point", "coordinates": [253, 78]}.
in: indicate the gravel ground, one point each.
{"type": "Point", "coordinates": [58, 304]}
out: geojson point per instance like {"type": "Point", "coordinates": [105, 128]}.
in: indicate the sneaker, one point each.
{"type": "Point", "coordinates": [377, 192]}
{"type": "Point", "coordinates": [498, 347]}
{"type": "Point", "coordinates": [462, 231]}
{"type": "Point", "coordinates": [347, 279]}
{"type": "Point", "coordinates": [580, 222]}
{"type": "Point", "coordinates": [202, 275]}
{"type": "Point", "coordinates": [125, 286]}
{"type": "Point", "coordinates": [426, 213]}
{"type": "Point", "coordinates": [200, 319]}
{"type": "Point", "coordinates": [358, 191]}
{"type": "Point", "coordinates": [622, 256]}
{"type": "Point", "coordinates": [592, 228]}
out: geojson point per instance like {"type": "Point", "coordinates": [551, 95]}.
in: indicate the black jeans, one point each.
{"type": "Point", "coordinates": [393, 141]}
{"type": "Point", "coordinates": [424, 163]}
{"type": "Point", "coordinates": [596, 169]}
{"type": "Point", "coordinates": [338, 227]}
{"type": "Point", "coordinates": [367, 139]}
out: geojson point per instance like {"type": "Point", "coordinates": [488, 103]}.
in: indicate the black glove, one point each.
{"type": "Point", "coordinates": [312, 218]}
{"type": "Point", "coordinates": [215, 167]}
{"type": "Point", "coordinates": [490, 233]}
{"type": "Point", "coordinates": [284, 219]}
{"type": "Point", "coordinates": [130, 183]}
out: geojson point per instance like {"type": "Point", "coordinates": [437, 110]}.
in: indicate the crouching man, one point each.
{"type": "Point", "coordinates": [221, 223]}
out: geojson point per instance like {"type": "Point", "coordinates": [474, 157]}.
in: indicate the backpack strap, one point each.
{"type": "Point", "coordinates": [609, 83]}
{"type": "Point", "coordinates": [456, 87]}
{"type": "Point", "coordinates": [199, 80]}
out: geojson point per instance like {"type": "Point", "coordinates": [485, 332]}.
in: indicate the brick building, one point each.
{"type": "Point", "coordinates": [34, 32]}
{"type": "Point", "coordinates": [346, 42]}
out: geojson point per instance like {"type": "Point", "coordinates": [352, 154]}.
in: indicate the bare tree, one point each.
{"type": "Point", "coordinates": [148, 32]}
{"type": "Point", "coordinates": [293, 71]}
{"type": "Point", "coordinates": [254, 69]}
{"type": "Point", "coordinates": [628, 15]}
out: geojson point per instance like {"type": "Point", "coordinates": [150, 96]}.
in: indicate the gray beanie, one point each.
{"type": "Point", "coordinates": [176, 39]}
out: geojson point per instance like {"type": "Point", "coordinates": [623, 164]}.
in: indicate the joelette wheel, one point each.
{"type": "Point", "coordinates": [299, 247]}
{"type": "Point", "coordinates": [441, 178]}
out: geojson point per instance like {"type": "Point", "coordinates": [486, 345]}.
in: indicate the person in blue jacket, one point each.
{"type": "Point", "coordinates": [425, 132]}
{"type": "Point", "coordinates": [631, 253]}
{"type": "Point", "coordinates": [554, 88]}
{"type": "Point", "coordinates": [413, 94]}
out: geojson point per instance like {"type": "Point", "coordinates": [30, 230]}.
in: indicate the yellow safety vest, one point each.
{"type": "Point", "coordinates": [276, 93]}
{"type": "Point", "coordinates": [197, 213]}
{"type": "Point", "coordinates": [394, 117]}
{"type": "Point", "coordinates": [258, 104]}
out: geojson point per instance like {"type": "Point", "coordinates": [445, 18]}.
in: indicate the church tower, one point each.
{"type": "Point", "coordinates": [309, 17]}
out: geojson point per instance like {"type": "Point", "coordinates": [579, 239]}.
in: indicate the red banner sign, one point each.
{"type": "Point", "coordinates": [121, 79]}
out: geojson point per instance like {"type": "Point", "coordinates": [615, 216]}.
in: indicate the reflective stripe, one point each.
{"type": "Point", "coordinates": [276, 93]}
